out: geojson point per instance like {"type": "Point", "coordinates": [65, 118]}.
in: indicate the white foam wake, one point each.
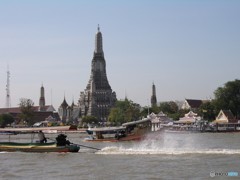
{"type": "Point", "coordinates": [2, 152]}
{"type": "Point", "coordinates": [165, 151]}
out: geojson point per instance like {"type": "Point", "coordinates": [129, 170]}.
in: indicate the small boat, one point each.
{"type": "Point", "coordinates": [60, 145]}
{"type": "Point", "coordinates": [37, 147]}
{"type": "Point", "coordinates": [130, 131]}
{"type": "Point", "coordinates": [108, 134]}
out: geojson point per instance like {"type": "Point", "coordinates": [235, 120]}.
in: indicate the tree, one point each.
{"type": "Point", "coordinates": [207, 111]}
{"type": "Point", "coordinates": [27, 110]}
{"type": "Point", "coordinates": [6, 119]}
{"type": "Point", "coordinates": [228, 97]}
{"type": "Point", "coordinates": [168, 107]}
{"type": "Point", "coordinates": [180, 113]}
{"type": "Point", "coordinates": [145, 111]}
{"type": "Point", "coordinates": [116, 116]}
{"type": "Point", "coordinates": [124, 111]}
{"type": "Point", "coordinates": [89, 120]}
{"type": "Point", "coordinates": [155, 109]}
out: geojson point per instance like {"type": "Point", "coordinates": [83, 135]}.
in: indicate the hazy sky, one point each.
{"type": "Point", "coordinates": [187, 48]}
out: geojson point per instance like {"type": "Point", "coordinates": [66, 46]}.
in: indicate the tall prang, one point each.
{"type": "Point", "coordinates": [153, 97]}
{"type": "Point", "coordinates": [98, 98]}
{"type": "Point", "coordinates": [42, 100]}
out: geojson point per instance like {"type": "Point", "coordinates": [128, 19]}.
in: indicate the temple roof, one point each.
{"type": "Point", "coordinates": [194, 103]}
{"type": "Point", "coordinates": [64, 103]}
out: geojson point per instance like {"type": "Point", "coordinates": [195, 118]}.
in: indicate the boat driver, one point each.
{"type": "Point", "coordinates": [42, 137]}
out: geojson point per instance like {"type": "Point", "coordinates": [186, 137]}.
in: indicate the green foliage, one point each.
{"type": "Point", "coordinates": [168, 107]}
{"type": "Point", "coordinates": [207, 111]}
{"type": "Point", "coordinates": [178, 114]}
{"type": "Point", "coordinates": [89, 120]}
{"type": "Point", "coordinates": [124, 111]}
{"type": "Point", "coordinates": [27, 110]}
{"type": "Point", "coordinates": [155, 109]}
{"type": "Point", "coordinates": [6, 119]}
{"type": "Point", "coordinates": [116, 116]}
{"type": "Point", "coordinates": [228, 97]}
{"type": "Point", "coordinates": [145, 111]}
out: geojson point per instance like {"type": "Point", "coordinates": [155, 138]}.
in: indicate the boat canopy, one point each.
{"type": "Point", "coordinates": [106, 129]}
{"type": "Point", "coordinates": [136, 122]}
{"type": "Point", "coordinates": [36, 129]}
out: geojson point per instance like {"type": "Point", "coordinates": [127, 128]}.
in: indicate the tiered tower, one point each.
{"type": "Point", "coordinates": [153, 97]}
{"type": "Point", "coordinates": [98, 97]}
{"type": "Point", "coordinates": [62, 110]}
{"type": "Point", "coordinates": [42, 100]}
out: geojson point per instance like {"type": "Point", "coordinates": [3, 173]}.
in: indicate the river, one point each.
{"type": "Point", "coordinates": [168, 156]}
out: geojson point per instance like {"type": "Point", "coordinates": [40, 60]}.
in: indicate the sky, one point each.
{"type": "Point", "coordinates": [187, 48]}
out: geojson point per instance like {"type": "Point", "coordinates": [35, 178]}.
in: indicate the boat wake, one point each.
{"type": "Point", "coordinates": [165, 151]}
{"type": "Point", "coordinates": [165, 144]}
{"type": "Point", "coordinates": [3, 152]}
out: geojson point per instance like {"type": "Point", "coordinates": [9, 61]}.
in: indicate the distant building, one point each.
{"type": "Point", "coordinates": [153, 97]}
{"type": "Point", "coordinates": [42, 100]}
{"type": "Point", "coordinates": [62, 110]}
{"type": "Point", "coordinates": [193, 104]}
{"type": "Point", "coordinates": [189, 117]}
{"type": "Point", "coordinates": [225, 116]}
{"type": "Point", "coordinates": [41, 112]}
{"type": "Point", "coordinates": [158, 119]}
{"type": "Point", "coordinates": [68, 113]}
{"type": "Point", "coordinates": [73, 112]}
{"type": "Point", "coordinates": [98, 98]}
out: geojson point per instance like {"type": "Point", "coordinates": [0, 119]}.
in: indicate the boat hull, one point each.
{"type": "Point", "coordinates": [127, 138]}
{"type": "Point", "coordinates": [36, 147]}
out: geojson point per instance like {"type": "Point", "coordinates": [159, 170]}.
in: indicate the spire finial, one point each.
{"type": "Point", "coordinates": [98, 28]}
{"type": "Point", "coordinates": [73, 99]}
{"type": "Point", "coordinates": [98, 41]}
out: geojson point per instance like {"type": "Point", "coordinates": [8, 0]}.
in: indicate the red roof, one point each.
{"type": "Point", "coordinates": [10, 110]}
{"type": "Point", "coordinates": [18, 109]}
{"type": "Point", "coordinates": [38, 115]}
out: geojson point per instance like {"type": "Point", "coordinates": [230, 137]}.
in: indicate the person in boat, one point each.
{"type": "Point", "coordinates": [42, 138]}
{"type": "Point", "coordinates": [120, 134]}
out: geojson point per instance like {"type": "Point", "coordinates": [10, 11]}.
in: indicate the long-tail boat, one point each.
{"type": "Point", "coordinates": [135, 130]}
{"type": "Point", "coordinates": [60, 145]}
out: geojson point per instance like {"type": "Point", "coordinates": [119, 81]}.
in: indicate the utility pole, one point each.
{"type": "Point", "coordinates": [8, 100]}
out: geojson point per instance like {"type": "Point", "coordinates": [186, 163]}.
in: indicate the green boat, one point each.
{"type": "Point", "coordinates": [60, 145]}
{"type": "Point", "coordinates": [37, 147]}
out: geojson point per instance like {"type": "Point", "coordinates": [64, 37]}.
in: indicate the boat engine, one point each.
{"type": "Point", "coordinates": [62, 140]}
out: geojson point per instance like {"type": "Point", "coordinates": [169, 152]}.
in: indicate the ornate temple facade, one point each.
{"type": "Point", "coordinates": [98, 98]}
{"type": "Point", "coordinates": [68, 113]}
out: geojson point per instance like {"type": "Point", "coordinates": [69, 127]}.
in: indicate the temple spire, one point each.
{"type": "Point", "coordinates": [98, 41]}
{"type": "Point", "coordinates": [42, 99]}
{"type": "Point", "coordinates": [98, 98]}
{"type": "Point", "coordinates": [153, 97]}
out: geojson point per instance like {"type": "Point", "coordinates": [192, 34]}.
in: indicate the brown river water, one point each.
{"type": "Point", "coordinates": [168, 156]}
